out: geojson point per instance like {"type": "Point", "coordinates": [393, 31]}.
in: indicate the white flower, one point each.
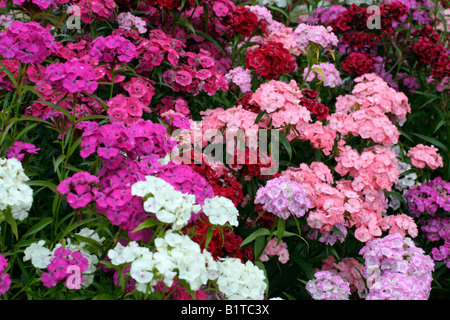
{"type": "Point", "coordinates": [120, 254]}
{"type": "Point", "coordinates": [169, 205]}
{"type": "Point", "coordinates": [240, 281]}
{"type": "Point", "coordinates": [221, 210]}
{"type": "Point", "coordinates": [38, 254]}
{"type": "Point", "coordinates": [14, 192]}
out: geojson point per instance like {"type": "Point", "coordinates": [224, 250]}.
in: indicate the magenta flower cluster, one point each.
{"type": "Point", "coordinates": [27, 42]}
{"type": "Point", "coordinates": [395, 269]}
{"type": "Point", "coordinates": [113, 48]}
{"type": "Point", "coordinates": [19, 149]}
{"type": "Point", "coordinates": [428, 197]}
{"type": "Point", "coordinates": [58, 269]}
{"type": "Point", "coordinates": [5, 280]}
{"type": "Point", "coordinates": [72, 76]}
{"type": "Point", "coordinates": [283, 198]}
{"type": "Point", "coordinates": [79, 189]}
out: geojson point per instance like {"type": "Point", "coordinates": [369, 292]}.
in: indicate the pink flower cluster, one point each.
{"type": "Point", "coordinates": [274, 249]}
{"type": "Point", "coordinates": [27, 42]}
{"type": "Point", "coordinates": [372, 90]}
{"type": "Point", "coordinates": [72, 76]}
{"type": "Point", "coordinates": [327, 286]}
{"type": "Point", "coordinates": [331, 77]}
{"type": "Point", "coordinates": [19, 149]}
{"type": "Point", "coordinates": [422, 156]}
{"type": "Point", "coordinates": [113, 48]}
{"type": "Point", "coordinates": [241, 77]}
{"type": "Point", "coordinates": [281, 101]}
{"type": "Point", "coordinates": [79, 189]}
{"type": "Point", "coordinates": [128, 110]}
{"type": "Point", "coordinates": [395, 269]}
{"type": "Point", "coordinates": [60, 268]}
{"type": "Point", "coordinates": [320, 136]}
{"type": "Point", "coordinates": [375, 168]}
{"type": "Point", "coordinates": [350, 270]}
{"type": "Point", "coordinates": [128, 21]}
{"type": "Point", "coordinates": [95, 10]}
{"type": "Point", "coordinates": [199, 73]}
{"type": "Point", "coordinates": [283, 198]}
{"type": "Point", "coordinates": [319, 35]}
{"type": "Point", "coordinates": [5, 280]}
{"type": "Point", "coordinates": [156, 48]}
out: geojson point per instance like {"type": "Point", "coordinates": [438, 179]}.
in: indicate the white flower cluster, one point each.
{"type": "Point", "coordinates": [174, 207]}
{"type": "Point", "coordinates": [220, 210]}
{"type": "Point", "coordinates": [14, 192]}
{"type": "Point", "coordinates": [175, 255]}
{"type": "Point", "coordinates": [169, 205]}
{"type": "Point", "coordinates": [240, 281]}
{"type": "Point", "coordinates": [127, 21]}
{"type": "Point", "coordinates": [40, 256]}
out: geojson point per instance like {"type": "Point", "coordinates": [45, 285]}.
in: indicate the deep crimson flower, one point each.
{"type": "Point", "coordinates": [270, 60]}
{"type": "Point", "coordinates": [427, 50]}
{"type": "Point", "coordinates": [358, 63]}
{"type": "Point", "coordinates": [353, 18]}
{"type": "Point", "coordinates": [441, 68]}
{"type": "Point", "coordinates": [242, 21]}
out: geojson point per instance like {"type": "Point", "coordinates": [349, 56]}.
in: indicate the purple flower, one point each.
{"type": "Point", "coordinates": [19, 149]}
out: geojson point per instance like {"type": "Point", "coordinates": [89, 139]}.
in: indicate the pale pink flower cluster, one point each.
{"type": "Point", "coordinates": [281, 101]}
{"type": "Point", "coordinates": [376, 167]}
{"type": "Point", "coordinates": [286, 37]}
{"type": "Point", "coordinates": [400, 224]}
{"type": "Point", "coordinates": [274, 249]}
{"type": "Point", "coordinates": [350, 270]}
{"type": "Point", "coordinates": [331, 77]}
{"type": "Point", "coordinates": [320, 136]}
{"type": "Point", "coordinates": [305, 34]}
{"type": "Point", "coordinates": [422, 156]}
{"type": "Point", "coordinates": [128, 21]}
{"type": "Point", "coordinates": [241, 77]}
{"type": "Point", "coordinates": [368, 123]}
{"type": "Point", "coordinates": [229, 121]}
{"type": "Point", "coordinates": [372, 90]}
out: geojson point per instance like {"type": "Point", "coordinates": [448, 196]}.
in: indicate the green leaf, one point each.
{"type": "Point", "coordinates": [9, 74]}
{"type": "Point", "coordinates": [11, 221]}
{"type": "Point", "coordinates": [281, 226]}
{"type": "Point", "coordinates": [305, 266]}
{"type": "Point", "coordinates": [286, 144]}
{"type": "Point", "coordinates": [38, 226]}
{"type": "Point", "coordinates": [104, 296]}
{"type": "Point", "coordinates": [397, 196]}
{"type": "Point", "coordinates": [258, 233]}
{"type": "Point", "coordinates": [42, 183]}
{"type": "Point", "coordinates": [146, 224]}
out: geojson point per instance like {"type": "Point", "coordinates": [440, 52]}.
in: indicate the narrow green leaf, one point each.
{"type": "Point", "coordinates": [258, 233]}
{"type": "Point", "coordinates": [433, 141]}
{"type": "Point", "coordinates": [146, 224]}
{"type": "Point", "coordinates": [42, 183]}
{"type": "Point", "coordinates": [11, 221]}
{"type": "Point", "coordinates": [38, 226]}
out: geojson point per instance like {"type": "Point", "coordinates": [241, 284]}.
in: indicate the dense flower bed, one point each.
{"type": "Point", "coordinates": [224, 149]}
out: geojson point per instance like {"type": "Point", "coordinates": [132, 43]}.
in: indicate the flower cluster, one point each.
{"type": "Point", "coordinates": [128, 21]}
{"type": "Point", "coordinates": [112, 49]}
{"type": "Point", "coordinates": [270, 60]}
{"type": "Point", "coordinates": [15, 194]}
{"type": "Point", "coordinates": [62, 265]}
{"type": "Point", "coordinates": [79, 189]}
{"type": "Point", "coordinates": [396, 269]}
{"type": "Point", "coordinates": [428, 197]}
{"type": "Point", "coordinates": [5, 280]}
{"type": "Point", "coordinates": [220, 210]}
{"type": "Point", "coordinates": [27, 42]}
{"type": "Point", "coordinates": [283, 198]}
{"type": "Point", "coordinates": [326, 72]}
{"type": "Point", "coordinates": [422, 156]}
{"type": "Point", "coordinates": [169, 205]}
{"type": "Point", "coordinates": [72, 76]}
{"type": "Point", "coordinates": [326, 286]}
{"type": "Point", "coordinates": [273, 248]}
{"type": "Point", "coordinates": [20, 149]}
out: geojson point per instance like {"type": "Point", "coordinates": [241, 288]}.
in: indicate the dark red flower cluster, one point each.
{"type": "Point", "coordinates": [251, 163]}
{"type": "Point", "coordinates": [360, 39]}
{"type": "Point", "coordinates": [353, 18]}
{"type": "Point", "coordinates": [263, 218]}
{"type": "Point", "coordinates": [358, 63]}
{"type": "Point", "coordinates": [223, 243]}
{"type": "Point", "coordinates": [270, 60]}
{"type": "Point", "coordinates": [441, 68]}
{"type": "Point", "coordinates": [427, 48]}
{"type": "Point", "coordinates": [242, 21]}
{"type": "Point", "coordinates": [391, 12]}
{"type": "Point", "coordinates": [310, 102]}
